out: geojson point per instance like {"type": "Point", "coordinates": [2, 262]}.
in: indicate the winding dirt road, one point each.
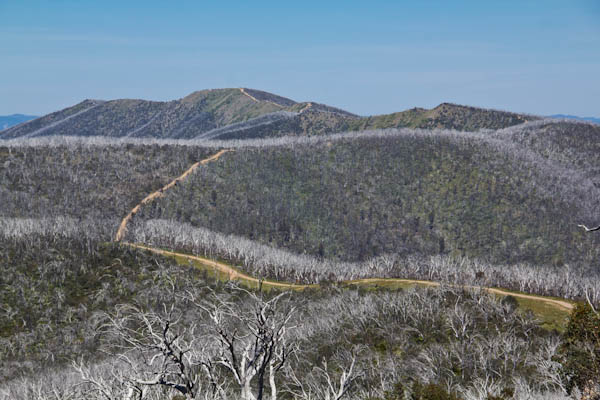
{"type": "Point", "coordinates": [160, 192]}
{"type": "Point", "coordinates": [554, 302]}
{"type": "Point", "coordinates": [234, 274]}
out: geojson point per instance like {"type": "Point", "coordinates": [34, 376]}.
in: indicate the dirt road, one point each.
{"type": "Point", "coordinates": [555, 302]}
{"type": "Point", "coordinates": [234, 274]}
{"type": "Point", "coordinates": [256, 100]}
{"type": "Point", "coordinates": [306, 107]}
{"type": "Point", "coordinates": [123, 227]}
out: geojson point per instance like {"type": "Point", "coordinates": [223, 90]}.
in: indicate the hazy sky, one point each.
{"type": "Point", "coordinates": [369, 57]}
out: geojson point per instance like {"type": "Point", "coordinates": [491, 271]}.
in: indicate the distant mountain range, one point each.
{"type": "Point", "coordinates": [6, 121]}
{"type": "Point", "coordinates": [588, 119]}
{"type": "Point", "coordinates": [242, 113]}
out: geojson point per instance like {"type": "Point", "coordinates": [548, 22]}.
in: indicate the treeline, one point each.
{"type": "Point", "coordinates": [269, 262]}
{"type": "Point", "coordinates": [395, 192]}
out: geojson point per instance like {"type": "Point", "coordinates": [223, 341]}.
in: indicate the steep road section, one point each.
{"type": "Point", "coordinates": [160, 192]}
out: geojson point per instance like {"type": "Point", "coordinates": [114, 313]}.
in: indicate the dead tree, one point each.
{"type": "Point", "coordinates": [589, 229]}
{"type": "Point", "coordinates": [245, 342]}
{"type": "Point", "coordinates": [252, 345]}
{"type": "Point", "coordinates": [154, 349]}
{"type": "Point", "coordinates": [587, 290]}
{"type": "Point", "coordinates": [321, 383]}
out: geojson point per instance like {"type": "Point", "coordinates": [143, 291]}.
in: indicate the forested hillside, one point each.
{"type": "Point", "coordinates": [444, 116]}
{"type": "Point", "coordinates": [353, 199]}
{"type": "Point", "coordinates": [316, 120]}
{"type": "Point", "coordinates": [56, 276]}
{"type": "Point", "coordinates": [572, 145]}
{"type": "Point", "coordinates": [86, 181]}
{"type": "Point", "coordinates": [65, 330]}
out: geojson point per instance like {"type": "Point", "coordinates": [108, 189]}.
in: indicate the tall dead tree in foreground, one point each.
{"type": "Point", "coordinates": [246, 344]}
{"type": "Point", "coordinates": [253, 345]}
{"type": "Point", "coordinates": [154, 349]}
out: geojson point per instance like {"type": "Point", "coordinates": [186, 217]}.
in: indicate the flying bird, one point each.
{"type": "Point", "coordinates": [589, 229]}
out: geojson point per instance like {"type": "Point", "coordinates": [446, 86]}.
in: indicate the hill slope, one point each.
{"type": "Point", "coordinates": [400, 192]}
{"type": "Point", "coordinates": [242, 114]}
{"type": "Point", "coordinates": [99, 183]}
{"type": "Point", "coordinates": [185, 118]}
{"type": "Point", "coordinates": [445, 116]}
{"type": "Point", "coordinates": [572, 145]}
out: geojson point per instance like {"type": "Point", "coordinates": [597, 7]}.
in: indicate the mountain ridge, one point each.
{"type": "Point", "coordinates": [568, 116]}
{"type": "Point", "coordinates": [242, 113]}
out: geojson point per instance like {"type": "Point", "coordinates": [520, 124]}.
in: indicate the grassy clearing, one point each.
{"type": "Point", "coordinates": [551, 317]}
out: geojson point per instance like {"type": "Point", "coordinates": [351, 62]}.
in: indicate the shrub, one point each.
{"type": "Point", "coordinates": [580, 352]}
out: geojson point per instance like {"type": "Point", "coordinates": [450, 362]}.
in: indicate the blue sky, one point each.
{"type": "Point", "coordinates": [369, 57]}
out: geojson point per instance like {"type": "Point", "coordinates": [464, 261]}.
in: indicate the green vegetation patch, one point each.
{"type": "Point", "coordinates": [412, 194]}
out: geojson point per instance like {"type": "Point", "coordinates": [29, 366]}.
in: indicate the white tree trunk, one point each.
{"type": "Point", "coordinates": [272, 382]}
